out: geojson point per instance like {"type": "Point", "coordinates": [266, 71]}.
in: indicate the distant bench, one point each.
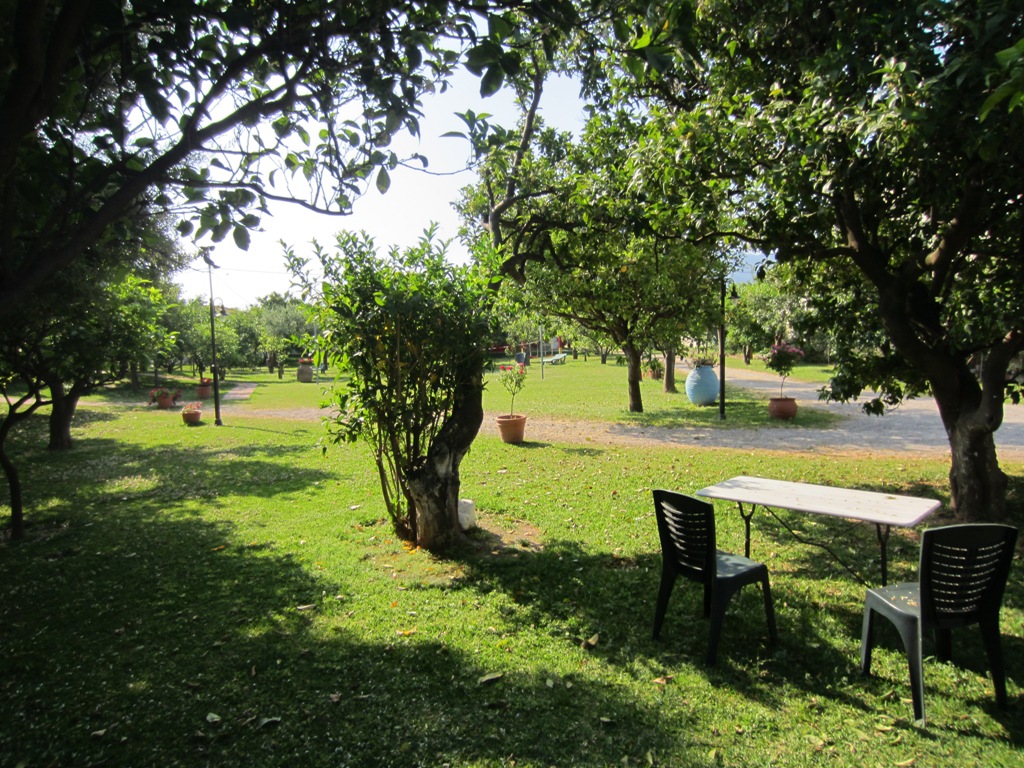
{"type": "Point", "coordinates": [555, 359]}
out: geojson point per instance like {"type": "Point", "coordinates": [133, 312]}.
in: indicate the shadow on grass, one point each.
{"type": "Point", "coordinates": [144, 633]}
{"type": "Point", "coordinates": [562, 583]}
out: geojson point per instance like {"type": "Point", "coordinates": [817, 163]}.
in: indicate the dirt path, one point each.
{"type": "Point", "coordinates": [913, 428]}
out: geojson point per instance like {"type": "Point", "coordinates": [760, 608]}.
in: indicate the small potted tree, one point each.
{"type": "Point", "coordinates": [204, 388]}
{"type": "Point", "coordinates": [512, 427]}
{"type": "Point", "coordinates": [781, 358]}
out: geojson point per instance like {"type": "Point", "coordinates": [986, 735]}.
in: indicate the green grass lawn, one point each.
{"type": "Point", "coordinates": [589, 391]}
{"type": "Point", "coordinates": [232, 597]}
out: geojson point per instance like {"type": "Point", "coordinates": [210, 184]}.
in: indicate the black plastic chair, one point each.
{"type": "Point", "coordinates": [962, 575]}
{"type": "Point", "coordinates": [687, 529]}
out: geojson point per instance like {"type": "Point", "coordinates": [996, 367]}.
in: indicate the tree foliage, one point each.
{"type": "Point", "coordinates": [215, 105]}
{"type": "Point", "coordinates": [410, 330]}
{"type": "Point", "coordinates": [564, 223]}
{"type": "Point", "coordinates": [848, 140]}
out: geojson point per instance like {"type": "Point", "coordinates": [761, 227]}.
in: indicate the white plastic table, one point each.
{"type": "Point", "coordinates": [883, 509]}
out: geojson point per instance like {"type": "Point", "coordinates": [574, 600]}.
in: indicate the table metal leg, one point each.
{"type": "Point", "coordinates": [883, 541]}
{"type": "Point", "coordinates": [746, 525]}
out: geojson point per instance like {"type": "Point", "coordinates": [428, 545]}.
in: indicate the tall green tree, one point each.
{"type": "Point", "coordinates": [563, 222]}
{"type": "Point", "coordinates": [47, 360]}
{"type": "Point", "coordinates": [217, 105]}
{"type": "Point", "coordinates": [411, 332]}
{"type": "Point", "coordinates": [849, 139]}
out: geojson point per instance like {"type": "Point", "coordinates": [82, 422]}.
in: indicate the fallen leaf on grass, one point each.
{"type": "Point", "coordinates": [591, 642]}
{"type": "Point", "coordinates": [213, 717]}
{"type": "Point", "coordinates": [663, 680]}
{"type": "Point", "coordinates": [406, 632]}
{"type": "Point", "coordinates": [906, 763]}
{"type": "Point", "coordinates": [267, 721]}
{"type": "Point", "coordinates": [490, 678]}
{"type": "Point", "coordinates": [309, 607]}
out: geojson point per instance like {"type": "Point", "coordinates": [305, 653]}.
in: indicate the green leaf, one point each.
{"type": "Point", "coordinates": [383, 181]}
{"type": "Point", "coordinates": [492, 80]}
{"type": "Point", "coordinates": [241, 236]}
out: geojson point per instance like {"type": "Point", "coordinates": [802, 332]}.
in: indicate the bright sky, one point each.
{"type": "Point", "coordinates": [399, 217]}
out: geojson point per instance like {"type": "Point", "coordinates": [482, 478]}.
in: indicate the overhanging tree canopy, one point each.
{"type": "Point", "coordinates": [217, 104]}
{"type": "Point", "coordinates": [849, 139]}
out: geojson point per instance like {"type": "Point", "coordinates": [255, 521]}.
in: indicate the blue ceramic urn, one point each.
{"type": "Point", "coordinates": [702, 385]}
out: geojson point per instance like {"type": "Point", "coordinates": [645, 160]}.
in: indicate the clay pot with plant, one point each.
{"type": "Point", "coordinates": [782, 358]}
{"type": "Point", "coordinates": [512, 427]}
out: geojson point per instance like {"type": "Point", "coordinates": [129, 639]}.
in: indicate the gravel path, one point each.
{"type": "Point", "coordinates": [914, 427]}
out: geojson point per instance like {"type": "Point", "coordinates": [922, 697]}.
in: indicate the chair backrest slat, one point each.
{"type": "Point", "coordinates": [687, 529]}
{"type": "Point", "coordinates": [963, 571]}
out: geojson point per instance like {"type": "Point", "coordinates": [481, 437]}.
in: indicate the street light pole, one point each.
{"type": "Point", "coordinates": [721, 358]}
{"type": "Point", "coordinates": [213, 346]}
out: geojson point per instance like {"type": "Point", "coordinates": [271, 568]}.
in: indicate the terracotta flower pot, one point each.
{"type": "Point", "coordinates": [783, 408]}
{"type": "Point", "coordinates": [304, 373]}
{"type": "Point", "coordinates": [203, 391]}
{"type": "Point", "coordinates": [191, 417]}
{"type": "Point", "coordinates": [164, 401]}
{"type": "Point", "coordinates": [512, 428]}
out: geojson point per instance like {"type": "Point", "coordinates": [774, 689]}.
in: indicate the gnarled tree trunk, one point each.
{"type": "Point", "coordinates": [971, 418]}
{"type": "Point", "coordinates": [433, 485]}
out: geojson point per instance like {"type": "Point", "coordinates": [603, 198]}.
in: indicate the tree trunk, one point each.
{"type": "Point", "coordinates": [977, 484]}
{"type": "Point", "coordinates": [669, 382]}
{"type": "Point", "coordinates": [604, 358]}
{"type": "Point", "coordinates": [14, 486]}
{"type": "Point", "coordinates": [970, 401]}
{"type": "Point", "coordinates": [62, 413]}
{"type": "Point", "coordinates": [971, 417]}
{"type": "Point", "coordinates": [13, 478]}
{"type": "Point", "coordinates": [633, 376]}
{"type": "Point", "coordinates": [433, 485]}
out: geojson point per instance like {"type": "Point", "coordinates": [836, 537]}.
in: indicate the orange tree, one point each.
{"type": "Point", "coordinates": [411, 331]}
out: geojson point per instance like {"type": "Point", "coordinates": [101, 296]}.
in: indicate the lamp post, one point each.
{"type": "Point", "coordinates": [721, 358]}
{"type": "Point", "coordinates": [213, 343]}
{"type": "Point", "coordinates": [721, 351]}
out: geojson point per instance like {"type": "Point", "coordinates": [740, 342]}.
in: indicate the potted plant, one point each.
{"type": "Point", "coordinates": [654, 369]}
{"type": "Point", "coordinates": [305, 372]}
{"type": "Point", "coordinates": [781, 358]}
{"type": "Point", "coordinates": [204, 388]}
{"type": "Point", "coordinates": [702, 381]}
{"type": "Point", "coordinates": [164, 397]}
{"type": "Point", "coordinates": [192, 413]}
{"type": "Point", "coordinates": [512, 427]}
